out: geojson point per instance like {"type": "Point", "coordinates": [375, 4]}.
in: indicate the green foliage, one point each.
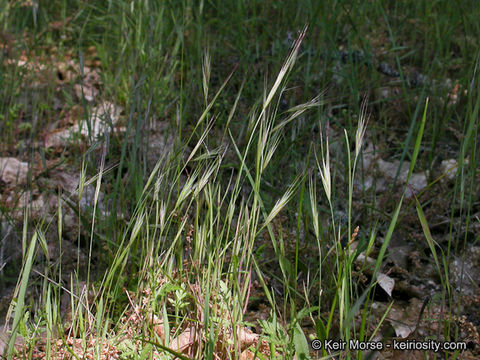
{"type": "Point", "coordinates": [246, 90]}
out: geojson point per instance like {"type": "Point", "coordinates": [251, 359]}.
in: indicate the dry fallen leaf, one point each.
{"type": "Point", "coordinates": [185, 341]}
{"type": "Point", "coordinates": [386, 283]}
{"type": "Point", "coordinates": [246, 337]}
{"type": "Point", "coordinates": [157, 326]}
{"type": "Point", "coordinates": [402, 330]}
{"type": "Point", "coordinates": [247, 355]}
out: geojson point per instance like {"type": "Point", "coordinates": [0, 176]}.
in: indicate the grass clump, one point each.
{"type": "Point", "coordinates": [212, 220]}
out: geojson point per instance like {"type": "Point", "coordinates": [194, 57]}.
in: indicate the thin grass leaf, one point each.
{"type": "Point", "coordinates": [20, 303]}
{"type": "Point", "coordinates": [418, 142]}
{"type": "Point", "coordinates": [394, 220]}
{"type": "Point", "coordinates": [384, 316]}
{"type": "Point", "coordinates": [432, 244]}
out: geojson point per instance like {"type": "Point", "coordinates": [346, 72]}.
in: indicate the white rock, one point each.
{"type": "Point", "coordinates": [449, 168]}
{"type": "Point", "coordinates": [102, 118]}
{"type": "Point", "coordinates": [12, 170]}
{"type": "Point", "coordinates": [418, 181]}
{"type": "Point", "coordinates": [368, 156]}
{"type": "Point", "coordinates": [465, 271]}
{"type": "Point", "coordinates": [58, 138]}
{"type": "Point", "coordinates": [390, 169]}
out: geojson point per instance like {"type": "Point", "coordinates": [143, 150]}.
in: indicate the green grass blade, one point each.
{"type": "Point", "coordinates": [20, 303]}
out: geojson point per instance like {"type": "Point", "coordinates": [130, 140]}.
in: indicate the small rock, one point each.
{"type": "Point", "coordinates": [10, 248]}
{"type": "Point", "coordinates": [465, 271]}
{"type": "Point", "coordinates": [389, 169]}
{"type": "Point", "coordinates": [65, 181]}
{"type": "Point", "coordinates": [449, 168]}
{"type": "Point", "coordinates": [385, 69]}
{"type": "Point", "coordinates": [39, 206]}
{"type": "Point", "coordinates": [87, 200]}
{"type": "Point", "coordinates": [417, 79]}
{"type": "Point", "coordinates": [58, 138]}
{"type": "Point", "coordinates": [12, 170]}
{"type": "Point", "coordinates": [368, 156]}
{"type": "Point", "coordinates": [88, 89]}
{"type": "Point", "coordinates": [160, 141]}
{"type": "Point", "coordinates": [103, 118]}
{"type": "Point", "coordinates": [418, 181]}
{"type": "Point", "coordinates": [357, 56]}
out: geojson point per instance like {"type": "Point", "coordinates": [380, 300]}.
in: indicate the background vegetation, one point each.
{"type": "Point", "coordinates": [266, 170]}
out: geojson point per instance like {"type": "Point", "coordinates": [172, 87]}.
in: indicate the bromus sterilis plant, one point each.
{"type": "Point", "coordinates": [228, 231]}
{"type": "Point", "coordinates": [344, 257]}
{"type": "Point", "coordinates": [191, 239]}
{"type": "Point", "coordinates": [348, 298]}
